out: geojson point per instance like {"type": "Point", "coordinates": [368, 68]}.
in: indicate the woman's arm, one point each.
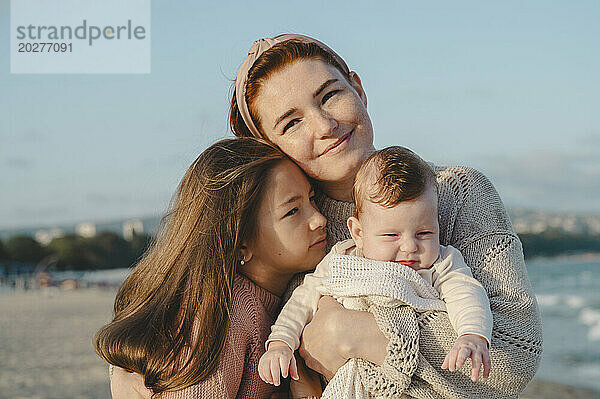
{"type": "Point", "coordinates": [336, 334]}
{"type": "Point", "coordinates": [473, 219]}
{"type": "Point", "coordinates": [476, 222]}
{"type": "Point", "coordinates": [308, 385]}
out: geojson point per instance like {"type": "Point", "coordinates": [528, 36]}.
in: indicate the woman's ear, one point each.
{"type": "Point", "coordinates": [245, 253]}
{"type": "Point", "coordinates": [357, 85]}
{"type": "Point", "coordinates": [355, 231]}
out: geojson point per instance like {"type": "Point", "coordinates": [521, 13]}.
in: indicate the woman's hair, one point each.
{"type": "Point", "coordinates": [272, 60]}
{"type": "Point", "coordinates": [171, 314]}
{"type": "Point", "coordinates": [389, 176]}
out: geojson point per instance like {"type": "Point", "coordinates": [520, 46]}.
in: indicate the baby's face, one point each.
{"type": "Point", "coordinates": [407, 233]}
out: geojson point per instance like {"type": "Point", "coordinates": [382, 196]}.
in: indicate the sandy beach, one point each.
{"type": "Point", "coordinates": [46, 350]}
{"type": "Point", "coordinates": [45, 344]}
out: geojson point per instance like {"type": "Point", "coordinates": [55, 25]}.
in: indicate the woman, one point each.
{"type": "Point", "coordinates": [193, 316]}
{"type": "Point", "coordinates": [300, 95]}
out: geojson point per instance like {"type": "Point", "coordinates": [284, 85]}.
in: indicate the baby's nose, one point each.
{"type": "Point", "coordinates": [408, 245]}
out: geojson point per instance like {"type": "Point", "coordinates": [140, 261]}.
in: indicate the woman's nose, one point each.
{"type": "Point", "coordinates": [324, 124]}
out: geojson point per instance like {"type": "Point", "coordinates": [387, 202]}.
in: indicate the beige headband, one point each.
{"type": "Point", "coordinates": [259, 47]}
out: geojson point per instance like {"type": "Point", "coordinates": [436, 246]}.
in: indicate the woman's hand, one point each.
{"type": "Point", "coordinates": [336, 334]}
{"type": "Point", "coordinates": [307, 385]}
{"type": "Point", "coordinates": [320, 347]}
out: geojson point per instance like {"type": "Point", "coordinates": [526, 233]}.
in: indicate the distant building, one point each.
{"type": "Point", "coordinates": [131, 228]}
{"type": "Point", "coordinates": [537, 222]}
{"type": "Point", "coordinates": [593, 224]}
{"type": "Point", "coordinates": [87, 230]}
{"type": "Point", "coordinates": [46, 236]}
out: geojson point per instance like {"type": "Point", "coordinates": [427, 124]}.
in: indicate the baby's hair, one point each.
{"type": "Point", "coordinates": [389, 176]}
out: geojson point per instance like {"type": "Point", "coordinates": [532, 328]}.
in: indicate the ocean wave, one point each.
{"type": "Point", "coordinates": [591, 317]}
{"type": "Point", "coordinates": [594, 333]}
{"type": "Point", "coordinates": [588, 372]}
{"type": "Point", "coordinates": [581, 309]}
{"type": "Point", "coordinates": [571, 301]}
{"type": "Point", "coordinates": [570, 307]}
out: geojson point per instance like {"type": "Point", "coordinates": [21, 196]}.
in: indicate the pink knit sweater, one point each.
{"type": "Point", "coordinates": [253, 311]}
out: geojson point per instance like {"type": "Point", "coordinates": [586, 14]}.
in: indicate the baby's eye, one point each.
{"type": "Point", "coordinates": [424, 233]}
{"type": "Point", "coordinates": [290, 124]}
{"type": "Point", "coordinates": [390, 235]}
{"type": "Point", "coordinates": [290, 213]}
{"type": "Point", "coordinates": [329, 95]}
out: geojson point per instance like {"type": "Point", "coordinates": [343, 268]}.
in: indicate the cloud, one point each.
{"type": "Point", "coordinates": [591, 139]}
{"type": "Point", "coordinates": [48, 210]}
{"type": "Point", "coordinates": [26, 136]}
{"type": "Point", "coordinates": [552, 179]}
{"type": "Point", "coordinates": [19, 163]}
{"type": "Point", "coordinates": [103, 199]}
{"type": "Point", "coordinates": [444, 94]}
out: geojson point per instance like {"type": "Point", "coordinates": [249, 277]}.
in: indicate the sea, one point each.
{"type": "Point", "coordinates": [568, 294]}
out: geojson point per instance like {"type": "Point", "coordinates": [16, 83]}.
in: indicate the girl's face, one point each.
{"type": "Point", "coordinates": [291, 232]}
{"type": "Point", "coordinates": [310, 111]}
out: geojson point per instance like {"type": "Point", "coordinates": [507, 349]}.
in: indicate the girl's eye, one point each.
{"type": "Point", "coordinates": [329, 95]}
{"type": "Point", "coordinates": [290, 213]}
{"type": "Point", "coordinates": [290, 124]}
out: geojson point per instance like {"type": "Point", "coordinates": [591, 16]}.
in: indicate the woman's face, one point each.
{"type": "Point", "coordinates": [317, 117]}
{"type": "Point", "coordinates": [290, 232]}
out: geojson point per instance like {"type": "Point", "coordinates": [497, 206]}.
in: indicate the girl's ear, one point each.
{"type": "Point", "coordinates": [355, 231]}
{"type": "Point", "coordinates": [357, 85]}
{"type": "Point", "coordinates": [245, 253]}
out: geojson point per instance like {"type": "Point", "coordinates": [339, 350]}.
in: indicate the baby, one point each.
{"type": "Point", "coordinates": [395, 220]}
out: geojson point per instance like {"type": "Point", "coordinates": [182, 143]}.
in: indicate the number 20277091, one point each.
{"type": "Point", "coordinates": [45, 47]}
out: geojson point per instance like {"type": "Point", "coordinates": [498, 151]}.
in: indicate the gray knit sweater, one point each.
{"type": "Point", "coordinates": [472, 219]}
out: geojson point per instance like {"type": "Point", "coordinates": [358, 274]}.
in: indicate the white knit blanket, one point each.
{"type": "Point", "coordinates": [359, 286]}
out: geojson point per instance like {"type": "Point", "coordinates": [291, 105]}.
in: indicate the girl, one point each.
{"type": "Point", "coordinates": [193, 316]}
{"type": "Point", "coordinates": [300, 95]}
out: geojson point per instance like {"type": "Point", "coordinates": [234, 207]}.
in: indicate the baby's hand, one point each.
{"type": "Point", "coordinates": [473, 346]}
{"type": "Point", "coordinates": [277, 360]}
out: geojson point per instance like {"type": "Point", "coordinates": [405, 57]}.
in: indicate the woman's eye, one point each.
{"type": "Point", "coordinates": [290, 124]}
{"type": "Point", "coordinates": [290, 213]}
{"type": "Point", "coordinates": [329, 95]}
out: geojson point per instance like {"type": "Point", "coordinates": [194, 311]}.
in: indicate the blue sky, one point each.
{"type": "Point", "coordinates": [510, 88]}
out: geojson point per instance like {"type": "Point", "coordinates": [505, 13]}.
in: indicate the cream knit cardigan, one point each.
{"type": "Point", "coordinates": [473, 220]}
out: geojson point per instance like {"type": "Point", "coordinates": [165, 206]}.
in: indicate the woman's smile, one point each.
{"type": "Point", "coordinates": [339, 145]}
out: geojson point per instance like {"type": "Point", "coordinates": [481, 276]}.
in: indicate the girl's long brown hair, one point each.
{"type": "Point", "coordinates": [171, 314]}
